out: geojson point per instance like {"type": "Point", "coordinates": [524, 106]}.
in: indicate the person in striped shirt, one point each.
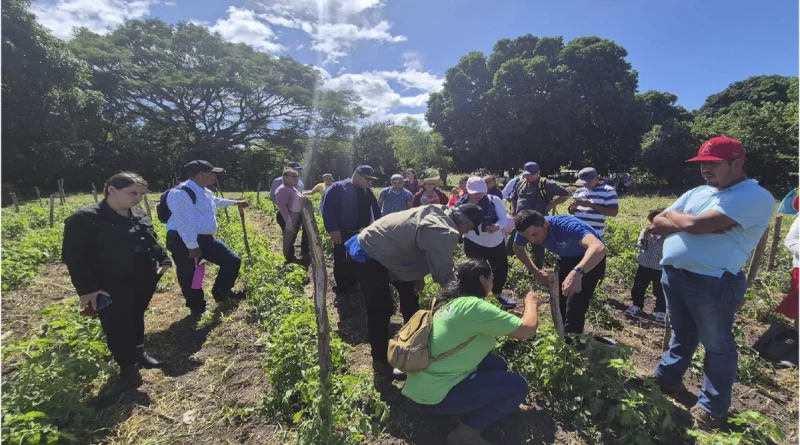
{"type": "Point", "coordinates": [595, 201]}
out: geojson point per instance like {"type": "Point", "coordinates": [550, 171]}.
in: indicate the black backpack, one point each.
{"type": "Point", "coordinates": [162, 209]}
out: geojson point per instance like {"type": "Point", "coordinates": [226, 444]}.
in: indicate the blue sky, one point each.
{"type": "Point", "coordinates": [394, 53]}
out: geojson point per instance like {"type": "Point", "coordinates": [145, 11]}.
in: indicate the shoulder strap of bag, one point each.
{"type": "Point", "coordinates": [190, 192]}
{"type": "Point", "coordinates": [456, 349]}
{"type": "Point", "coordinates": [543, 188]}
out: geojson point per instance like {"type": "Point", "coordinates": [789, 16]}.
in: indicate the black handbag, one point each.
{"type": "Point", "coordinates": [779, 345]}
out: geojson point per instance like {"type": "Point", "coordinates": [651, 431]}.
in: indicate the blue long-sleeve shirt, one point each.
{"type": "Point", "coordinates": [340, 207]}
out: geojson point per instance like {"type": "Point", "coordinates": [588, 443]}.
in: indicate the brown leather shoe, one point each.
{"type": "Point", "coordinates": [385, 370]}
{"type": "Point", "coordinates": [704, 419]}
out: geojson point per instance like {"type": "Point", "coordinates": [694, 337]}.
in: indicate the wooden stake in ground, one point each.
{"type": "Point", "coordinates": [94, 193]}
{"type": "Point", "coordinates": [63, 194]}
{"type": "Point", "coordinates": [244, 231]}
{"type": "Point", "coordinates": [39, 196]}
{"type": "Point", "coordinates": [776, 235]}
{"type": "Point", "coordinates": [147, 207]}
{"type": "Point", "coordinates": [219, 190]}
{"type": "Point", "coordinates": [667, 333]}
{"type": "Point", "coordinates": [555, 306]}
{"type": "Point", "coordinates": [321, 313]}
{"type": "Point", "coordinates": [52, 210]}
{"type": "Point", "coordinates": [258, 193]}
{"type": "Point", "coordinates": [242, 196]}
{"type": "Point", "coordinates": [758, 256]}
{"type": "Point", "coordinates": [16, 203]}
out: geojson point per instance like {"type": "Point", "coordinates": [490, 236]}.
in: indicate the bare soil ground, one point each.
{"type": "Point", "coordinates": [215, 378]}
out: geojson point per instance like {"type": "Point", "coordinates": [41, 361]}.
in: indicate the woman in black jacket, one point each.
{"type": "Point", "coordinates": [111, 252]}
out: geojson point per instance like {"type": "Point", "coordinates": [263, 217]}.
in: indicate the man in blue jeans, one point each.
{"type": "Point", "coordinates": [712, 231]}
{"type": "Point", "coordinates": [190, 236]}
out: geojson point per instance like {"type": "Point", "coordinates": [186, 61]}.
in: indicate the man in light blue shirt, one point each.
{"type": "Point", "coordinates": [395, 198]}
{"type": "Point", "coordinates": [277, 182]}
{"type": "Point", "coordinates": [712, 230]}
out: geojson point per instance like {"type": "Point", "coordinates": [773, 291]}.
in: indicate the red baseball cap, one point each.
{"type": "Point", "coordinates": [719, 149]}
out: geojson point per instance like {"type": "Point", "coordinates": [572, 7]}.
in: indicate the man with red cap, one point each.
{"type": "Point", "coordinates": [711, 232]}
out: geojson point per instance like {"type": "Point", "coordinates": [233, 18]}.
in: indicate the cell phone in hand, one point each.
{"type": "Point", "coordinates": [102, 302]}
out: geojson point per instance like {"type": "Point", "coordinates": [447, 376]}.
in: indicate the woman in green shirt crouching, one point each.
{"type": "Point", "coordinates": [471, 382]}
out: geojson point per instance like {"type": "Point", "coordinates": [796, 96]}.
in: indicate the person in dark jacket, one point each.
{"type": "Point", "coordinates": [111, 249]}
{"type": "Point", "coordinates": [347, 207]}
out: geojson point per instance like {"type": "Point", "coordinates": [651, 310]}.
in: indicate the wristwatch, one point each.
{"type": "Point", "coordinates": [580, 271]}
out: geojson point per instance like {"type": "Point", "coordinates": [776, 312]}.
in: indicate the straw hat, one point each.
{"type": "Point", "coordinates": [434, 181]}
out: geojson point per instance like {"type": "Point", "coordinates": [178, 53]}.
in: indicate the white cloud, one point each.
{"type": "Point", "coordinates": [335, 40]}
{"type": "Point", "coordinates": [334, 26]}
{"type": "Point", "coordinates": [170, 4]}
{"type": "Point", "coordinates": [96, 15]}
{"type": "Point", "coordinates": [412, 60]}
{"type": "Point", "coordinates": [411, 78]}
{"type": "Point", "coordinates": [243, 26]}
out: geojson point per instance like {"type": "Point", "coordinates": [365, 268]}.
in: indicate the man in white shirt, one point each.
{"type": "Point", "coordinates": [190, 235]}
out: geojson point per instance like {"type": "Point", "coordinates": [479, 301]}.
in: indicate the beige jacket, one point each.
{"type": "Point", "coordinates": [413, 243]}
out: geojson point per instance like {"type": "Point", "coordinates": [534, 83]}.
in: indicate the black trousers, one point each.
{"type": "Point", "coordinates": [343, 272]}
{"type": "Point", "coordinates": [290, 236]}
{"type": "Point", "coordinates": [281, 222]}
{"type": "Point", "coordinates": [645, 276]}
{"type": "Point", "coordinates": [574, 307]}
{"type": "Point", "coordinates": [497, 258]}
{"type": "Point", "coordinates": [373, 278]}
{"type": "Point", "coordinates": [537, 251]}
{"type": "Point", "coordinates": [123, 320]}
{"type": "Point", "coordinates": [213, 251]}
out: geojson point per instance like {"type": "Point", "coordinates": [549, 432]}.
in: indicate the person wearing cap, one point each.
{"type": "Point", "coordinates": [290, 205]}
{"type": "Point", "coordinates": [274, 188]}
{"type": "Point", "coordinates": [395, 198]}
{"type": "Point", "coordinates": [429, 194]}
{"type": "Point", "coordinates": [401, 249]}
{"type": "Point", "coordinates": [190, 236]}
{"type": "Point", "coordinates": [540, 194]}
{"type": "Point", "coordinates": [595, 201]}
{"type": "Point", "coordinates": [348, 206]}
{"type": "Point", "coordinates": [711, 231]}
{"type": "Point", "coordinates": [581, 260]}
{"type": "Point", "coordinates": [327, 181]}
{"type": "Point", "coordinates": [791, 303]}
{"type": "Point", "coordinates": [489, 244]}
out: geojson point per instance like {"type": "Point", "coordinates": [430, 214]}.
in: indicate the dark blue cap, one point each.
{"type": "Point", "coordinates": [366, 171]}
{"type": "Point", "coordinates": [530, 168]}
{"type": "Point", "coordinates": [295, 165]}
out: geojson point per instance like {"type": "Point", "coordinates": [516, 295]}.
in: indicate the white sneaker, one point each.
{"type": "Point", "coordinates": [633, 311]}
{"type": "Point", "coordinates": [661, 317]}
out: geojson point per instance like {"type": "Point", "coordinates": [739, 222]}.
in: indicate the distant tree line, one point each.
{"type": "Point", "coordinates": [149, 96]}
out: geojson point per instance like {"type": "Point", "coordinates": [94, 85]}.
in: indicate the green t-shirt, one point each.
{"type": "Point", "coordinates": [453, 324]}
{"type": "Point", "coordinates": [319, 188]}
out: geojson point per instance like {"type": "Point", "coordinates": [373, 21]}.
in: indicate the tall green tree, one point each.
{"type": "Point", "coordinates": [372, 146]}
{"type": "Point", "coordinates": [419, 148]}
{"type": "Point", "coordinates": [49, 109]}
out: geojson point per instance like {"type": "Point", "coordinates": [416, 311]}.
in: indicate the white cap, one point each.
{"type": "Point", "coordinates": [476, 184]}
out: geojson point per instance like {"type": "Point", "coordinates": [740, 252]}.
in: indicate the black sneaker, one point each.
{"type": "Point", "coordinates": [237, 294]}
{"type": "Point", "coordinates": [506, 301]}
{"type": "Point", "coordinates": [147, 361]}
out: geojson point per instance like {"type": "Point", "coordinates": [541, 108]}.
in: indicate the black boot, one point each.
{"type": "Point", "coordinates": [129, 378]}
{"type": "Point", "coordinates": [146, 361]}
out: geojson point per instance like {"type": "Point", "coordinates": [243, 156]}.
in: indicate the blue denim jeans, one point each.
{"type": "Point", "coordinates": [701, 310]}
{"type": "Point", "coordinates": [486, 396]}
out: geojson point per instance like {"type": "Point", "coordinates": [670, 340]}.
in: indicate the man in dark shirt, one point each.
{"type": "Point", "coordinates": [491, 186]}
{"type": "Point", "coordinates": [538, 194]}
{"type": "Point", "coordinates": [347, 207]}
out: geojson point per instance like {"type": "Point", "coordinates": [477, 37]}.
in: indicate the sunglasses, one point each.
{"type": "Point", "coordinates": [292, 176]}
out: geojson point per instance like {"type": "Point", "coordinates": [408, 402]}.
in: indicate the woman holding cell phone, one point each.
{"type": "Point", "coordinates": [115, 262]}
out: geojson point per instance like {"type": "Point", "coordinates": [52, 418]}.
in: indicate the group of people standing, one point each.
{"type": "Point", "coordinates": [408, 231]}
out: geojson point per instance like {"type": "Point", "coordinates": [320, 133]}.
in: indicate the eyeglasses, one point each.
{"type": "Point", "coordinates": [292, 176]}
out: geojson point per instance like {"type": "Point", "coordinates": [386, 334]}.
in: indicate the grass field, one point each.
{"type": "Point", "coordinates": [247, 374]}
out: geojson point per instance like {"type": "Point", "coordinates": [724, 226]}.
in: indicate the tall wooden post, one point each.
{"type": "Point", "coordinates": [147, 207]}
{"type": "Point", "coordinates": [219, 190]}
{"type": "Point", "coordinates": [258, 193]}
{"type": "Point", "coordinates": [94, 193]}
{"type": "Point", "coordinates": [321, 312]}
{"type": "Point", "coordinates": [52, 210]}
{"type": "Point", "coordinates": [39, 196]}
{"type": "Point", "coordinates": [667, 333]}
{"type": "Point", "coordinates": [776, 235]}
{"type": "Point", "coordinates": [244, 231]}
{"type": "Point", "coordinates": [63, 195]}
{"type": "Point", "coordinates": [554, 289]}
{"type": "Point", "coordinates": [758, 256]}
{"type": "Point", "coordinates": [16, 203]}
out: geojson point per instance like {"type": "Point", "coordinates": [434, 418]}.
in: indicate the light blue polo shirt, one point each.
{"type": "Point", "coordinates": [747, 203]}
